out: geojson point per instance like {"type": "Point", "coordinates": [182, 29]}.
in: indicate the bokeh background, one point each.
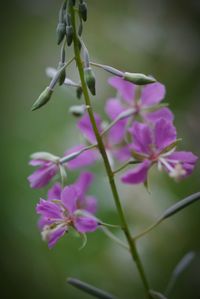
{"type": "Point", "coordinates": [155, 37]}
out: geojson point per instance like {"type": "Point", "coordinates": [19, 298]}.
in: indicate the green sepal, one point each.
{"type": "Point", "coordinates": [138, 79]}
{"type": "Point", "coordinates": [83, 11]}
{"type": "Point", "coordinates": [69, 34]}
{"type": "Point", "coordinates": [43, 98]}
{"type": "Point", "coordinates": [90, 80]}
{"type": "Point", "coordinates": [60, 30]}
{"type": "Point", "coordinates": [171, 146]}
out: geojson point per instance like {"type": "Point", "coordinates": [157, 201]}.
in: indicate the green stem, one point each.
{"type": "Point", "coordinates": [108, 168]}
{"type": "Point", "coordinates": [147, 230]}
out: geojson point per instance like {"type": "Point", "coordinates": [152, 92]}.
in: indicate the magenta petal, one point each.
{"type": "Point", "coordinates": [182, 156]}
{"type": "Point", "coordinates": [55, 192]}
{"type": "Point", "coordinates": [186, 159]}
{"type": "Point", "coordinates": [117, 132]}
{"type": "Point", "coordinates": [142, 138]}
{"type": "Point", "coordinates": [152, 94]}
{"type": "Point", "coordinates": [86, 128]}
{"type": "Point", "coordinates": [90, 204]}
{"type": "Point", "coordinates": [164, 113]}
{"type": "Point", "coordinates": [125, 89]}
{"type": "Point", "coordinates": [55, 235]}
{"type": "Point", "coordinates": [48, 209]}
{"type": "Point", "coordinates": [86, 158]}
{"type": "Point", "coordinates": [42, 176]}
{"type": "Point", "coordinates": [138, 174]}
{"type": "Point", "coordinates": [165, 134]}
{"type": "Point", "coordinates": [83, 183]}
{"type": "Point", "coordinates": [85, 224]}
{"type": "Point", "coordinates": [69, 197]}
{"type": "Point", "coordinates": [113, 108]}
{"type": "Point", "coordinates": [122, 154]}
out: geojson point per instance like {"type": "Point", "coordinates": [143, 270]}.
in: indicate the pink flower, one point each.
{"type": "Point", "coordinates": [66, 208]}
{"type": "Point", "coordinates": [156, 145]}
{"type": "Point", "coordinates": [113, 142]}
{"type": "Point", "coordinates": [141, 102]}
{"type": "Point", "coordinates": [49, 165]}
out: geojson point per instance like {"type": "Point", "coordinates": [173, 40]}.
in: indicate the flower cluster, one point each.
{"type": "Point", "coordinates": [141, 131]}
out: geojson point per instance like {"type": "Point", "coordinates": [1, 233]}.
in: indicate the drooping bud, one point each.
{"type": "Point", "coordinates": [90, 80]}
{"type": "Point", "coordinates": [60, 30]}
{"type": "Point", "coordinates": [79, 92]}
{"type": "Point", "coordinates": [43, 98]}
{"type": "Point", "coordinates": [77, 110]}
{"type": "Point", "coordinates": [61, 24]}
{"type": "Point", "coordinates": [83, 11]}
{"type": "Point", "coordinates": [80, 28]}
{"type": "Point", "coordinates": [62, 73]}
{"type": "Point", "coordinates": [138, 79]}
{"type": "Point", "coordinates": [69, 30]}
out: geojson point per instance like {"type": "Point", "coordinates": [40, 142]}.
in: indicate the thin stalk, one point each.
{"type": "Point", "coordinates": [108, 168]}
{"type": "Point", "coordinates": [147, 230]}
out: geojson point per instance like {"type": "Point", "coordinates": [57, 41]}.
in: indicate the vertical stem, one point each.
{"type": "Point", "coordinates": [110, 174]}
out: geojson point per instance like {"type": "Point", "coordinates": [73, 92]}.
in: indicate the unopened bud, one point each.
{"type": "Point", "coordinates": [72, 2]}
{"type": "Point", "coordinates": [77, 110]}
{"type": "Point", "coordinates": [138, 79]}
{"type": "Point", "coordinates": [62, 73]}
{"type": "Point", "coordinates": [83, 11]}
{"type": "Point", "coordinates": [60, 30]}
{"type": "Point", "coordinates": [43, 98]}
{"type": "Point", "coordinates": [69, 34]}
{"type": "Point", "coordinates": [79, 92]}
{"type": "Point", "coordinates": [90, 80]}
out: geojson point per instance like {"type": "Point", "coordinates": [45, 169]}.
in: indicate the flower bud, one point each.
{"type": "Point", "coordinates": [77, 110]}
{"type": "Point", "coordinates": [138, 79]}
{"type": "Point", "coordinates": [90, 80]}
{"type": "Point", "coordinates": [60, 30]}
{"type": "Point", "coordinates": [79, 92]}
{"type": "Point", "coordinates": [83, 11]}
{"type": "Point", "coordinates": [62, 76]}
{"type": "Point", "coordinates": [69, 34]}
{"type": "Point", "coordinates": [43, 98]}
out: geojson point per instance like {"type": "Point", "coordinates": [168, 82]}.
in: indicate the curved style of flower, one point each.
{"type": "Point", "coordinates": [144, 101]}
{"type": "Point", "coordinates": [49, 165]}
{"type": "Point", "coordinates": [114, 143]}
{"type": "Point", "coordinates": [67, 208]}
{"type": "Point", "coordinates": [156, 145]}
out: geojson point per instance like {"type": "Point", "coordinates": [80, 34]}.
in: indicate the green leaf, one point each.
{"type": "Point", "coordinates": [89, 289]}
{"type": "Point", "coordinates": [157, 295]}
{"type": "Point", "coordinates": [180, 205]}
{"type": "Point", "coordinates": [178, 270]}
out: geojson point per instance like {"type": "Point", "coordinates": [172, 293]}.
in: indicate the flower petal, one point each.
{"type": "Point", "coordinates": [165, 134]}
{"type": "Point", "coordinates": [83, 183]}
{"type": "Point", "coordinates": [55, 235]}
{"type": "Point", "coordinates": [138, 174]}
{"type": "Point", "coordinates": [85, 224]}
{"type": "Point", "coordinates": [69, 197]}
{"type": "Point", "coordinates": [142, 138]}
{"type": "Point", "coordinates": [113, 108]}
{"type": "Point", "coordinates": [122, 154]}
{"type": "Point", "coordinates": [90, 204]}
{"type": "Point", "coordinates": [117, 132]}
{"type": "Point", "coordinates": [164, 113]}
{"type": "Point", "coordinates": [55, 191]}
{"type": "Point", "coordinates": [152, 94]}
{"type": "Point", "coordinates": [49, 209]}
{"type": "Point", "coordinates": [42, 176]}
{"type": "Point", "coordinates": [86, 128]}
{"type": "Point", "coordinates": [125, 89]}
{"type": "Point", "coordinates": [84, 159]}
{"type": "Point", "coordinates": [186, 159]}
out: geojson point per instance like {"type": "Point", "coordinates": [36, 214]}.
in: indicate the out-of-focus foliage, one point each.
{"type": "Point", "coordinates": [155, 37]}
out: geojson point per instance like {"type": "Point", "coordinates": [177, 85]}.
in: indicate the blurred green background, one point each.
{"type": "Point", "coordinates": [155, 37]}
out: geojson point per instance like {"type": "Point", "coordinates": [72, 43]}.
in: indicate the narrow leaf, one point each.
{"type": "Point", "coordinates": [89, 289]}
{"type": "Point", "coordinates": [180, 205]}
{"type": "Point", "coordinates": [178, 270]}
{"type": "Point", "coordinates": [156, 295]}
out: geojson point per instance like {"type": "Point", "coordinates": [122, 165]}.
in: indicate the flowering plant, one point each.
{"type": "Point", "coordinates": [140, 134]}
